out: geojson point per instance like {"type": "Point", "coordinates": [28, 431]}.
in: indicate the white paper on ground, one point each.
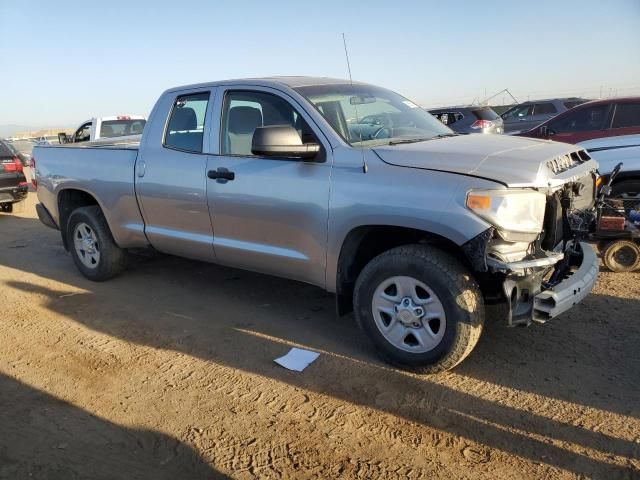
{"type": "Point", "coordinates": [297, 359]}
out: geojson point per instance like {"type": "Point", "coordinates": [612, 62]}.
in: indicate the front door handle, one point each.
{"type": "Point", "coordinates": [221, 175]}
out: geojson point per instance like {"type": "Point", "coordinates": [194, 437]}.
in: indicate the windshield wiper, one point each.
{"type": "Point", "coordinates": [408, 140]}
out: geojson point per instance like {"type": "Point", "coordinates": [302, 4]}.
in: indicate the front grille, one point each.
{"type": "Point", "coordinates": [565, 162]}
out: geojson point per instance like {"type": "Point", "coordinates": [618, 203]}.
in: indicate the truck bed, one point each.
{"type": "Point", "coordinates": [104, 171]}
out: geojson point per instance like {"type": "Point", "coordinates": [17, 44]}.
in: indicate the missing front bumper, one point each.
{"type": "Point", "coordinates": [527, 301]}
{"type": "Point", "coordinates": [569, 292]}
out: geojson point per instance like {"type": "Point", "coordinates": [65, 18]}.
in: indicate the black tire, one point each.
{"type": "Point", "coordinates": [630, 188]}
{"type": "Point", "coordinates": [112, 260]}
{"type": "Point", "coordinates": [456, 289]}
{"type": "Point", "coordinates": [6, 207]}
{"type": "Point", "coordinates": [621, 256]}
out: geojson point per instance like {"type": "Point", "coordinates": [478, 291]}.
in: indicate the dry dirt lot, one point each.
{"type": "Point", "coordinates": [168, 372]}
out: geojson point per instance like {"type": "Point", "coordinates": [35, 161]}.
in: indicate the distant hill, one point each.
{"type": "Point", "coordinates": [7, 131]}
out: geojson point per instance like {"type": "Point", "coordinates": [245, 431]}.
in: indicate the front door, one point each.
{"type": "Point", "coordinates": [171, 181]}
{"type": "Point", "coordinates": [269, 214]}
{"type": "Point", "coordinates": [580, 123]}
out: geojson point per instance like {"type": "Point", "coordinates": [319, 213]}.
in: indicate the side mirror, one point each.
{"type": "Point", "coordinates": [62, 138]}
{"type": "Point", "coordinates": [282, 141]}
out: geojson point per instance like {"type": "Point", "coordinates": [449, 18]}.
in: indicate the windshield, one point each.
{"type": "Point", "coordinates": [367, 116]}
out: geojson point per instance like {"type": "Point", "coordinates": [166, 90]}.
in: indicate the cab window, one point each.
{"type": "Point", "coordinates": [185, 128]}
{"type": "Point", "coordinates": [544, 109]}
{"type": "Point", "coordinates": [244, 111]}
{"type": "Point", "coordinates": [83, 134]}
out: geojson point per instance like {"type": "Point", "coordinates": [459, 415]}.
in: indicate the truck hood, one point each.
{"type": "Point", "coordinates": [513, 161]}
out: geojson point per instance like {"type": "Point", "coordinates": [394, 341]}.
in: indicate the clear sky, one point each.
{"type": "Point", "coordinates": [64, 62]}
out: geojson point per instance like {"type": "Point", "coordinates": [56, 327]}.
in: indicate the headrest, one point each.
{"type": "Point", "coordinates": [183, 118]}
{"type": "Point", "coordinates": [244, 119]}
{"type": "Point", "coordinates": [107, 131]}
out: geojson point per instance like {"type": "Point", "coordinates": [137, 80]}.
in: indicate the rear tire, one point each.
{"type": "Point", "coordinates": [621, 256]}
{"type": "Point", "coordinates": [92, 247]}
{"type": "Point", "coordinates": [435, 311]}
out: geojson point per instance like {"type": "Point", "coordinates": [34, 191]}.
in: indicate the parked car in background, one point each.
{"type": "Point", "coordinates": [23, 156]}
{"type": "Point", "coordinates": [609, 152]}
{"type": "Point", "coordinates": [121, 127]}
{"type": "Point", "coordinates": [13, 183]}
{"type": "Point", "coordinates": [47, 140]}
{"type": "Point", "coordinates": [595, 119]}
{"type": "Point", "coordinates": [470, 119]}
{"type": "Point", "coordinates": [410, 225]}
{"type": "Point", "coordinates": [529, 114]}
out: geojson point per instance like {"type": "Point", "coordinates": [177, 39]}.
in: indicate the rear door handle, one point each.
{"type": "Point", "coordinates": [221, 175]}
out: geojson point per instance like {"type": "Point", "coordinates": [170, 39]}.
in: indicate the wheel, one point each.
{"type": "Point", "coordinates": [6, 207]}
{"type": "Point", "coordinates": [621, 256]}
{"type": "Point", "coordinates": [627, 189]}
{"type": "Point", "coordinates": [92, 246]}
{"type": "Point", "coordinates": [420, 307]}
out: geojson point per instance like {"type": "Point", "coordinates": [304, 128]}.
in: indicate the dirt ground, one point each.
{"type": "Point", "coordinates": [168, 372]}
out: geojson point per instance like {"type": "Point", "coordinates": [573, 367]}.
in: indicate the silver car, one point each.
{"type": "Point", "coordinates": [412, 226]}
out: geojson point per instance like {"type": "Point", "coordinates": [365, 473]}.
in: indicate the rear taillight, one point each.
{"type": "Point", "coordinates": [32, 166]}
{"type": "Point", "coordinates": [482, 124]}
{"type": "Point", "coordinates": [15, 165]}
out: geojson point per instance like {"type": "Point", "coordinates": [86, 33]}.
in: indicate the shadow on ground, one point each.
{"type": "Point", "coordinates": [44, 437]}
{"type": "Point", "coordinates": [217, 314]}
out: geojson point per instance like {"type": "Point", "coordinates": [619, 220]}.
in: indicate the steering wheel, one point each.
{"type": "Point", "coordinates": [382, 132]}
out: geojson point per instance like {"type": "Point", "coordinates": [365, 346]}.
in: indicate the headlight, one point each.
{"type": "Point", "coordinates": [513, 212]}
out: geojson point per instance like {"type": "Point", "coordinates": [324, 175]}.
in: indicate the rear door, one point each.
{"type": "Point", "coordinates": [171, 175]}
{"type": "Point", "coordinates": [270, 214]}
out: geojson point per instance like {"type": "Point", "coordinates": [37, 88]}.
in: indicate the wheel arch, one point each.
{"type": "Point", "coordinates": [365, 242]}
{"type": "Point", "coordinates": [70, 199]}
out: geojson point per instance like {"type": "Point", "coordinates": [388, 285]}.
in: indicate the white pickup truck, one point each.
{"type": "Point", "coordinates": [120, 128]}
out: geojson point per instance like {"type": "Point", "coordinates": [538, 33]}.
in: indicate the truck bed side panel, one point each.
{"type": "Point", "coordinates": [106, 173]}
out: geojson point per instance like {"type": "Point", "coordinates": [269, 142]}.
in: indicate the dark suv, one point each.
{"type": "Point", "coordinates": [529, 114]}
{"type": "Point", "coordinates": [13, 183]}
{"type": "Point", "coordinates": [469, 119]}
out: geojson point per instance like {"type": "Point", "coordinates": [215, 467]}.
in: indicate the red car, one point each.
{"type": "Point", "coordinates": [596, 119]}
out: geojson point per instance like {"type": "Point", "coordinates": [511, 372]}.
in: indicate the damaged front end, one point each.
{"type": "Point", "coordinates": [540, 276]}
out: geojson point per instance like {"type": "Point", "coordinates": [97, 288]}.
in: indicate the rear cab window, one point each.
{"type": "Point", "coordinates": [185, 128]}
{"type": "Point", "coordinates": [121, 127]}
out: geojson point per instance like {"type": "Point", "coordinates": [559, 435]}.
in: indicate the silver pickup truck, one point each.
{"type": "Point", "coordinates": [346, 186]}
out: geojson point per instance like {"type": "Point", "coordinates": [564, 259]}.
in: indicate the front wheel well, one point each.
{"type": "Point", "coordinates": [68, 201]}
{"type": "Point", "coordinates": [364, 243]}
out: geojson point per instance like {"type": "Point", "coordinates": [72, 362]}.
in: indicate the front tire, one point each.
{"type": "Point", "coordinates": [92, 247]}
{"type": "Point", "coordinates": [420, 308]}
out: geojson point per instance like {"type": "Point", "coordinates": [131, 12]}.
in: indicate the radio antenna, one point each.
{"type": "Point", "coordinates": [365, 167]}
